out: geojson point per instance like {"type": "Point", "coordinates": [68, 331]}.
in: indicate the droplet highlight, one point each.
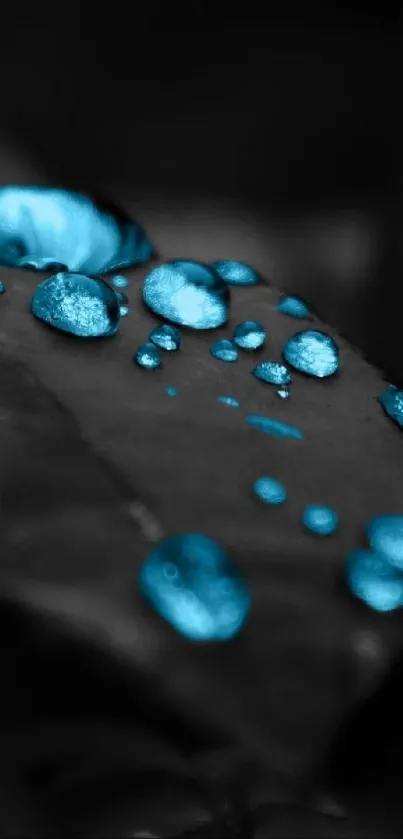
{"type": "Point", "coordinates": [187, 293]}
{"type": "Point", "coordinates": [273, 427]}
{"type": "Point", "coordinates": [269, 490]}
{"type": "Point", "coordinates": [294, 307]}
{"type": "Point", "coordinates": [229, 401]}
{"type": "Point", "coordinates": [166, 337]}
{"type": "Point", "coordinates": [392, 403]}
{"type": "Point", "coordinates": [272, 372]}
{"type": "Point", "coordinates": [385, 534]}
{"type": "Point", "coordinates": [236, 273]}
{"type": "Point", "coordinates": [148, 356]}
{"type": "Point", "coordinates": [119, 281]}
{"type": "Point", "coordinates": [313, 353]}
{"type": "Point", "coordinates": [320, 519]}
{"type": "Point", "coordinates": [224, 350]}
{"type": "Point", "coordinates": [83, 306]}
{"type": "Point", "coordinates": [372, 579]}
{"type": "Point", "coordinates": [249, 335]}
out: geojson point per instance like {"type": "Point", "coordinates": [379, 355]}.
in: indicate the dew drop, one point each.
{"type": "Point", "coordinates": [124, 311]}
{"type": "Point", "coordinates": [313, 353]}
{"type": "Point", "coordinates": [166, 337]}
{"type": "Point", "coordinates": [320, 520]}
{"type": "Point", "coordinates": [187, 293]}
{"type": "Point", "coordinates": [228, 400]}
{"type": "Point", "coordinates": [385, 534]}
{"type": "Point", "coordinates": [224, 350]}
{"type": "Point", "coordinates": [119, 281]}
{"type": "Point", "coordinates": [206, 600]}
{"type": "Point", "coordinates": [2, 288]}
{"type": "Point", "coordinates": [283, 393]}
{"type": "Point", "coordinates": [272, 372]}
{"type": "Point", "coordinates": [273, 427]}
{"type": "Point", "coordinates": [171, 391]}
{"type": "Point", "coordinates": [148, 356]}
{"type": "Point", "coordinates": [372, 579]}
{"type": "Point", "coordinates": [293, 306]}
{"type": "Point", "coordinates": [84, 306]}
{"type": "Point", "coordinates": [269, 491]}
{"type": "Point", "coordinates": [236, 273]}
{"type": "Point", "coordinates": [392, 403]}
{"type": "Point", "coordinates": [249, 335]}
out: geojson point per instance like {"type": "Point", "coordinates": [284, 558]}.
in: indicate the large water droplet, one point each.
{"type": "Point", "coordinates": [148, 356]}
{"type": "Point", "coordinates": [272, 372]}
{"type": "Point", "coordinates": [273, 427]}
{"type": "Point", "coordinates": [372, 579]}
{"type": "Point", "coordinates": [236, 273]}
{"type": "Point", "coordinates": [313, 353]}
{"type": "Point", "coordinates": [224, 350]}
{"type": "Point", "coordinates": [84, 306]}
{"type": "Point", "coordinates": [385, 534]}
{"type": "Point", "coordinates": [192, 583]}
{"type": "Point", "coordinates": [249, 335]}
{"type": "Point", "coordinates": [392, 403]}
{"type": "Point", "coordinates": [188, 293]}
{"type": "Point", "coordinates": [294, 307]}
{"type": "Point", "coordinates": [269, 490]}
{"type": "Point", "coordinates": [166, 337]}
{"type": "Point", "coordinates": [171, 391]}
{"type": "Point", "coordinates": [119, 281]}
{"type": "Point", "coordinates": [228, 400]}
{"type": "Point", "coordinates": [320, 520]}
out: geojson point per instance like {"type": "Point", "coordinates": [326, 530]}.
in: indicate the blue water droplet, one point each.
{"type": "Point", "coordinates": [236, 273]}
{"type": "Point", "coordinates": [385, 534]}
{"type": "Point", "coordinates": [122, 298]}
{"type": "Point", "coordinates": [294, 307]}
{"type": "Point", "coordinates": [249, 335]}
{"type": "Point", "coordinates": [228, 400]}
{"type": "Point", "coordinates": [272, 372]}
{"type": "Point", "coordinates": [320, 520]}
{"type": "Point", "coordinates": [171, 391]}
{"type": "Point", "coordinates": [124, 311]}
{"type": "Point", "coordinates": [283, 393]}
{"type": "Point", "coordinates": [147, 356]}
{"type": "Point", "coordinates": [84, 306]}
{"type": "Point", "coordinates": [269, 490]}
{"type": "Point", "coordinates": [371, 578]}
{"type": "Point", "coordinates": [166, 337]}
{"type": "Point", "coordinates": [392, 403]}
{"type": "Point", "coordinates": [273, 427]}
{"type": "Point", "coordinates": [202, 596]}
{"type": "Point", "coordinates": [187, 293]}
{"type": "Point", "coordinates": [313, 353]}
{"type": "Point", "coordinates": [224, 350]}
{"type": "Point", "coordinates": [2, 288]}
{"type": "Point", "coordinates": [119, 281]}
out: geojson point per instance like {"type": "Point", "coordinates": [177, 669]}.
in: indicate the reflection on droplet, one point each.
{"type": "Point", "coordinates": [313, 353]}
{"type": "Point", "coordinates": [283, 393]}
{"type": "Point", "coordinates": [2, 288]}
{"type": "Point", "coordinates": [212, 601]}
{"type": "Point", "coordinates": [269, 490]}
{"type": "Point", "coordinates": [385, 534]}
{"type": "Point", "coordinates": [228, 400]}
{"type": "Point", "coordinates": [124, 311]}
{"type": "Point", "coordinates": [392, 403]}
{"type": "Point", "coordinates": [272, 372]}
{"type": "Point", "coordinates": [320, 520]}
{"type": "Point", "coordinates": [166, 337]}
{"type": "Point", "coordinates": [273, 427]}
{"type": "Point", "coordinates": [119, 281]}
{"type": "Point", "coordinates": [84, 306]}
{"type": "Point", "coordinates": [187, 293]}
{"type": "Point", "coordinates": [148, 356]}
{"type": "Point", "coordinates": [374, 580]}
{"type": "Point", "coordinates": [171, 391]}
{"type": "Point", "coordinates": [249, 335]}
{"type": "Point", "coordinates": [236, 273]}
{"type": "Point", "coordinates": [224, 350]}
{"type": "Point", "coordinates": [294, 307]}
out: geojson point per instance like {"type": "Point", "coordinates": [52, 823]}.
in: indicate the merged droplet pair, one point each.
{"type": "Point", "coordinates": [376, 575]}
{"type": "Point", "coordinates": [164, 337]}
{"type": "Point", "coordinates": [248, 335]}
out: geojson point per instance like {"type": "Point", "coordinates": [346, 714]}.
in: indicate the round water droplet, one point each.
{"type": "Point", "coordinates": [2, 288]}
{"type": "Point", "coordinates": [119, 281]}
{"type": "Point", "coordinates": [371, 578]}
{"type": "Point", "coordinates": [166, 337]}
{"type": "Point", "coordinates": [236, 273]}
{"type": "Point", "coordinates": [206, 600]}
{"type": "Point", "coordinates": [283, 393]}
{"type": "Point", "coordinates": [392, 403]}
{"type": "Point", "coordinates": [294, 307]}
{"type": "Point", "coordinates": [269, 491]}
{"type": "Point", "coordinates": [272, 372]}
{"type": "Point", "coordinates": [385, 534]}
{"type": "Point", "coordinates": [124, 311]}
{"type": "Point", "coordinates": [171, 391]}
{"type": "Point", "coordinates": [228, 400]}
{"type": "Point", "coordinates": [320, 520]}
{"type": "Point", "coordinates": [148, 356]}
{"type": "Point", "coordinates": [313, 353]}
{"type": "Point", "coordinates": [273, 427]}
{"type": "Point", "coordinates": [224, 350]}
{"type": "Point", "coordinates": [249, 335]}
{"type": "Point", "coordinates": [188, 293]}
{"type": "Point", "coordinates": [84, 306]}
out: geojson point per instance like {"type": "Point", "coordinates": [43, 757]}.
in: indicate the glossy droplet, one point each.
{"type": "Point", "coordinates": [283, 393]}
{"type": "Point", "coordinates": [166, 337]}
{"type": "Point", "coordinates": [385, 534]}
{"type": "Point", "coordinates": [236, 273]}
{"type": "Point", "coordinates": [171, 391]}
{"type": "Point", "coordinates": [272, 372]}
{"type": "Point", "coordinates": [2, 288]}
{"type": "Point", "coordinates": [371, 578]}
{"type": "Point", "coordinates": [273, 427]}
{"type": "Point", "coordinates": [313, 353]}
{"type": "Point", "coordinates": [192, 583]}
{"type": "Point", "coordinates": [269, 491]}
{"type": "Point", "coordinates": [320, 520]}
{"type": "Point", "coordinates": [249, 335]}
{"type": "Point", "coordinates": [84, 306]}
{"type": "Point", "coordinates": [148, 356]}
{"type": "Point", "coordinates": [187, 293]}
{"type": "Point", "coordinates": [294, 307]}
{"type": "Point", "coordinates": [119, 281]}
{"type": "Point", "coordinates": [224, 350]}
{"type": "Point", "coordinates": [124, 311]}
{"type": "Point", "coordinates": [392, 403]}
{"type": "Point", "coordinates": [228, 400]}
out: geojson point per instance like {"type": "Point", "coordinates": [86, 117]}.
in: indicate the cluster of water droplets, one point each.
{"type": "Point", "coordinates": [375, 575]}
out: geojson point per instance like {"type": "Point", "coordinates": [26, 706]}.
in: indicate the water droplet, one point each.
{"type": "Point", "coordinates": [372, 579]}
{"type": "Point", "coordinates": [124, 311]}
{"type": "Point", "coordinates": [273, 427]}
{"type": "Point", "coordinates": [294, 307]}
{"type": "Point", "coordinates": [269, 490]}
{"type": "Point", "coordinates": [171, 391]}
{"type": "Point", "coordinates": [272, 372]}
{"type": "Point", "coordinates": [166, 337]}
{"type": "Point", "coordinates": [313, 353]}
{"type": "Point", "coordinates": [148, 356]}
{"type": "Point", "coordinates": [385, 534]}
{"type": "Point", "coordinates": [224, 350]}
{"type": "Point", "coordinates": [2, 288]}
{"type": "Point", "coordinates": [283, 393]}
{"type": "Point", "coordinates": [122, 298]}
{"type": "Point", "coordinates": [228, 400]}
{"type": "Point", "coordinates": [206, 600]}
{"type": "Point", "coordinates": [236, 273]}
{"type": "Point", "coordinates": [84, 306]}
{"type": "Point", "coordinates": [119, 281]}
{"type": "Point", "coordinates": [188, 293]}
{"type": "Point", "coordinates": [249, 335]}
{"type": "Point", "coordinates": [320, 520]}
{"type": "Point", "coordinates": [392, 403]}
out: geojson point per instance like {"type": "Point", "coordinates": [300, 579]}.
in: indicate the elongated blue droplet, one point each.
{"type": "Point", "coordinates": [148, 356]}
{"type": "Point", "coordinates": [273, 427]}
{"type": "Point", "coordinates": [372, 579]}
{"type": "Point", "coordinates": [224, 350]}
{"type": "Point", "coordinates": [294, 307]}
{"type": "Point", "coordinates": [166, 337]}
{"type": "Point", "coordinates": [385, 534]}
{"type": "Point", "coordinates": [2, 288]}
{"type": "Point", "coordinates": [236, 273]}
{"type": "Point", "coordinates": [269, 490]}
{"type": "Point", "coordinates": [320, 519]}
{"type": "Point", "coordinates": [84, 306]}
{"type": "Point", "coordinates": [228, 400]}
{"type": "Point", "coordinates": [192, 583]}
{"type": "Point", "coordinates": [392, 403]}
{"type": "Point", "coordinates": [313, 353]}
{"type": "Point", "coordinates": [272, 372]}
{"type": "Point", "coordinates": [283, 393]}
{"type": "Point", "coordinates": [187, 293]}
{"type": "Point", "coordinates": [171, 391]}
{"type": "Point", "coordinates": [119, 281]}
{"type": "Point", "coordinates": [249, 335]}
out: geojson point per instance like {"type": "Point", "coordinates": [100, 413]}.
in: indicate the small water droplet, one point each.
{"type": "Point", "coordinates": [74, 303]}
{"type": "Point", "coordinates": [236, 273]}
{"type": "Point", "coordinates": [293, 306]}
{"type": "Point", "coordinates": [171, 391]}
{"type": "Point", "coordinates": [269, 490]}
{"type": "Point", "coordinates": [249, 335]}
{"type": "Point", "coordinates": [148, 356]}
{"type": "Point", "coordinates": [272, 372]}
{"type": "Point", "coordinates": [320, 519]}
{"type": "Point", "coordinates": [203, 607]}
{"type": "Point", "coordinates": [124, 311]}
{"type": "Point", "coordinates": [2, 288]}
{"type": "Point", "coordinates": [273, 427]}
{"type": "Point", "coordinates": [313, 353]}
{"type": "Point", "coordinates": [374, 580]}
{"type": "Point", "coordinates": [228, 400]}
{"type": "Point", "coordinates": [224, 350]}
{"type": "Point", "coordinates": [122, 298]}
{"type": "Point", "coordinates": [385, 534]}
{"type": "Point", "coordinates": [119, 281]}
{"type": "Point", "coordinates": [283, 393]}
{"type": "Point", "coordinates": [392, 403]}
{"type": "Point", "coordinates": [187, 293]}
{"type": "Point", "coordinates": [166, 337]}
